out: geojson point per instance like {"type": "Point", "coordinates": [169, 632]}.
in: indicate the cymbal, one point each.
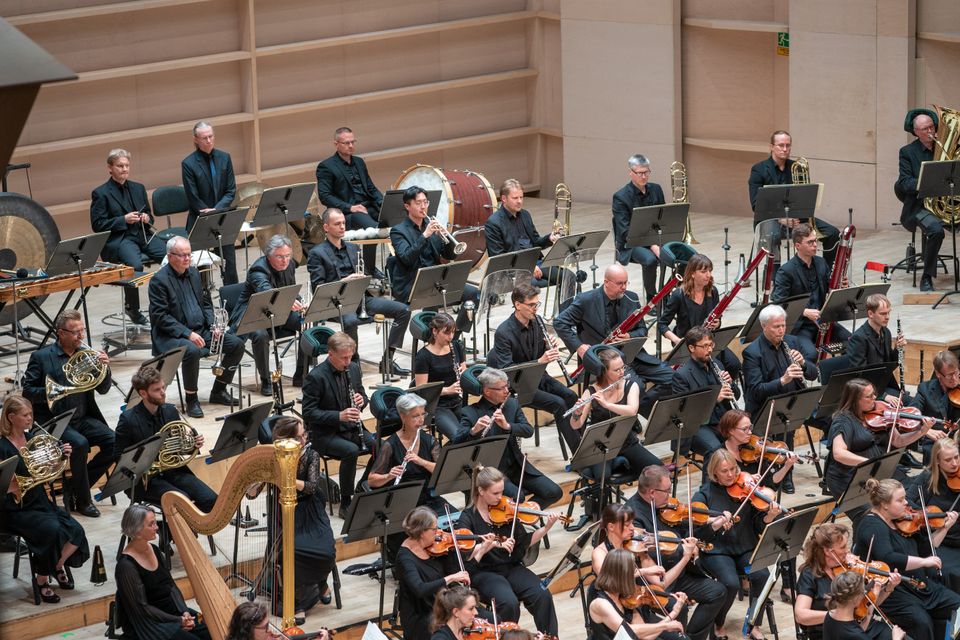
{"type": "Point", "coordinates": [248, 195]}
{"type": "Point", "coordinates": [265, 233]}
{"type": "Point", "coordinates": [28, 235]}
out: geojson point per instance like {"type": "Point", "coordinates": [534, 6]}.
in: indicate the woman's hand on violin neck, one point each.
{"type": "Point", "coordinates": [690, 547]}
{"type": "Point", "coordinates": [551, 519]}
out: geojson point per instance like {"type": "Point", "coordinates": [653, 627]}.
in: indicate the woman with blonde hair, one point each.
{"type": "Point", "coordinates": [840, 622]}
{"type": "Point", "coordinates": [934, 482]}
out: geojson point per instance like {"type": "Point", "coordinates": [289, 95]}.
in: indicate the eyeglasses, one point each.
{"type": "Point", "coordinates": [642, 172]}
{"type": "Point", "coordinates": [703, 345]}
{"type": "Point", "coordinates": [347, 143]}
{"type": "Point", "coordinates": [180, 255]}
{"type": "Point", "coordinates": [282, 256]}
{"type": "Point", "coordinates": [618, 283]}
{"type": "Point", "coordinates": [503, 388]}
{"type": "Point", "coordinates": [77, 333]}
{"type": "Point", "coordinates": [532, 305]}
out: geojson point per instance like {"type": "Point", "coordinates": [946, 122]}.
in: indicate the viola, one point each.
{"type": "Point", "coordinates": [953, 395]}
{"type": "Point", "coordinates": [669, 542]}
{"type": "Point", "coordinates": [675, 513]}
{"type": "Point", "coordinates": [913, 520]}
{"type": "Point", "coordinates": [762, 498]}
{"type": "Point", "coordinates": [877, 570]}
{"type": "Point", "coordinates": [773, 451]}
{"type": "Point", "coordinates": [526, 512]}
{"type": "Point", "coordinates": [483, 630]}
{"type": "Point", "coordinates": [953, 481]}
{"type": "Point", "coordinates": [883, 415]}
{"type": "Point", "coordinates": [466, 541]}
{"type": "Point", "coordinates": [647, 596]}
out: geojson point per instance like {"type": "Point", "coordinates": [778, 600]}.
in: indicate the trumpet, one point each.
{"type": "Point", "coordinates": [458, 247]}
{"type": "Point", "coordinates": [584, 401]}
{"type": "Point", "coordinates": [217, 331]}
{"type": "Point", "coordinates": [551, 344]}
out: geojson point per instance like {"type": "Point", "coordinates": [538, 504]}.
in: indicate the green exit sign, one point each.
{"type": "Point", "coordinates": [783, 43]}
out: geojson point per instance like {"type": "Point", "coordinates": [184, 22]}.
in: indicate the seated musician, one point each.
{"type": "Point", "coordinates": [251, 621]}
{"type": "Point", "coordinates": [498, 413]}
{"type": "Point", "coordinates": [873, 344]}
{"type": "Point", "coordinates": [616, 531]}
{"type": "Point", "coordinates": [925, 613]}
{"type": "Point", "coordinates": [934, 482]}
{"type": "Point", "coordinates": [594, 314]}
{"type": "Point", "coordinates": [700, 372]}
{"type": "Point", "coordinates": [772, 365]}
{"type": "Point", "coordinates": [333, 397]}
{"type": "Point", "coordinates": [842, 622]}
{"type": "Point", "coordinates": [736, 429]}
{"type": "Point", "coordinates": [55, 539]}
{"type": "Point", "coordinates": [120, 206]}
{"type": "Point", "coordinates": [499, 573]}
{"type": "Point", "coordinates": [87, 428]}
{"type": "Point", "coordinates": [522, 338]}
{"type": "Point", "coordinates": [826, 551]}
{"type": "Point", "coordinates": [852, 442]}
{"type": "Point", "coordinates": [615, 582]}
{"type": "Point", "coordinates": [691, 304]}
{"type": "Point", "coordinates": [146, 419]}
{"type": "Point", "coordinates": [932, 395]}
{"type": "Point", "coordinates": [778, 169]}
{"type": "Point", "coordinates": [273, 270]}
{"type": "Point", "coordinates": [453, 610]}
{"type": "Point", "coordinates": [335, 260]}
{"type": "Point", "coordinates": [443, 359]}
{"type": "Point", "coordinates": [730, 554]}
{"type": "Point", "coordinates": [639, 192]}
{"type": "Point", "coordinates": [807, 273]}
{"type": "Point", "coordinates": [148, 599]}
{"type": "Point", "coordinates": [653, 494]}
{"type": "Point", "coordinates": [614, 394]}
{"type": "Point", "coordinates": [181, 315]}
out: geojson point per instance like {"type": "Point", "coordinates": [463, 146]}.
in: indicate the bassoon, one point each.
{"type": "Point", "coordinates": [840, 264]}
{"type": "Point", "coordinates": [718, 310]}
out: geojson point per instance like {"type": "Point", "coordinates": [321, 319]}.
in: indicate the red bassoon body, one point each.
{"type": "Point", "coordinates": [840, 265]}
{"type": "Point", "coordinates": [718, 310]}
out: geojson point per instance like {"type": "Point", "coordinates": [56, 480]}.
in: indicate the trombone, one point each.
{"type": "Point", "coordinates": [458, 247]}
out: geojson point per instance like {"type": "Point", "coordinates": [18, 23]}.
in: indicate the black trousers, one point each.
{"type": "Point", "coordinates": [190, 368]}
{"type": "Point", "coordinates": [554, 397]}
{"type": "Point", "coordinates": [923, 618]}
{"type": "Point", "coordinates": [181, 480]}
{"type": "Point", "coordinates": [544, 490]}
{"type": "Point", "coordinates": [364, 221]}
{"type": "Point", "coordinates": [84, 434]}
{"type": "Point", "coordinates": [447, 422]}
{"type": "Point", "coordinates": [260, 346]}
{"type": "Point", "coordinates": [399, 312]}
{"type": "Point", "coordinates": [709, 595]}
{"type": "Point", "coordinates": [344, 447]}
{"type": "Point", "coordinates": [645, 257]}
{"type": "Point", "coordinates": [510, 587]}
{"type": "Point", "coordinates": [727, 570]}
{"type": "Point", "coordinates": [131, 252]}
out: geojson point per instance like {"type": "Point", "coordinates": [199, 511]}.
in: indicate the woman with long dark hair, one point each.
{"type": "Point", "coordinates": [435, 362]}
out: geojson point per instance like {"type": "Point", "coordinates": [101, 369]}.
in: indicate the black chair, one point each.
{"type": "Point", "coordinates": [22, 550]}
{"type": "Point", "coordinates": [913, 262]}
{"type": "Point", "coordinates": [167, 201]}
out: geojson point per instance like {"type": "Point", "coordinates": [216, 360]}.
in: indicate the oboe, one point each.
{"type": "Point", "coordinates": [352, 402]}
{"type": "Point", "coordinates": [727, 404]}
{"type": "Point", "coordinates": [548, 340]}
{"type": "Point", "coordinates": [583, 401]}
{"type": "Point", "coordinates": [403, 466]}
{"type": "Point", "coordinates": [790, 360]}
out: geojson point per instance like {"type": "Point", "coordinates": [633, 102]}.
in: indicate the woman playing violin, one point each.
{"type": "Point", "coordinates": [924, 613]}
{"type": "Point", "coordinates": [940, 485]}
{"type": "Point", "coordinates": [435, 362]}
{"type": "Point", "coordinates": [497, 571]}
{"type": "Point", "coordinates": [616, 581]}
{"type": "Point", "coordinates": [731, 551]}
{"type": "Point", "coordinates": [737, 432]}
{"type": "Point", "coordinates": [841, 623]}
{"type": "Point", "coordinates": [454, 609]}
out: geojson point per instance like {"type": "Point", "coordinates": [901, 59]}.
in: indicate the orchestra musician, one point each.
{"type": "Point", "coordinates": [120, 206]}
{"type": "Point", "coordinates": [273, 270]}
{"type": "Point", "coordinates": [145, 420]}
{"type": "Point", "coordinates": [454, 609]}
{"type": "Point", "coordinates": [209, 182]}
{"type": "Point", "coordinates": [594, 314]}
{"type": "Point", "coordinates": [737, 429]}
{"type": "Point", "coordinates": [731, 552]}
{"type": "Point", "coordinates": [778, 169]}
{"type": "Point", "coordinates": [923, 613]}
{"type": "Point", "coordinates": [87, 427]}
{"type": "Point", "coordinates": [932, 395]}
{"type": "Point", "coordinates": [873, 343]}
{"type": "Point", "coordinates": [639, 192]}
{"type": "Point", "coordinates": [923, 124]}
{"type": "Point", "coordinates": [498, 413]}
{"type": "Point", "coordinates": [499, 573]}
{"type": "Point", "coordinates": [333, 397]}
{"type": "Point", "coordinates": [934, 482]}
{"type": "Point", "coordinates": [344, 183]}
{"type": "Point", "coordinates": [251, 621]}
{"type": "Point", "coordinates": [436, 362]}
{"type": "Point", "coordinates": [148, 600]}
{"type": "Point", "coordinates": [851, 442]}
{"type": "Point", "coordinates": [521, 338]}
{"type": "Point", "coordinates": [55, 539]}
{"type": "Point", "coordinates": [335, 260]}
{"type": "Point", "coordinates": [840, 622]}
{"type": "Point", "coordinates": [181, 315]}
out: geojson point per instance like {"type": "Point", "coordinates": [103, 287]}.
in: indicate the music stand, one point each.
{"type": "Point", "coordinates": [722, 338]}
{"type": "Point", "coordinates": [277, 203]}
{"type": "Point", "coordinates": [877, 375]}
{"type": "Point", "coordinates": [333, 299]}
{"type": "Point", "coordinates": [166, 365]}
{"type": "Point", "coordinates": [786, 201]}
{"type": "Point", "coordinates": [791, 411]}
{"type": "Point", "coordinates": [239, 432]}
{"type": "Point", "coordinates": [392, 211]}
{"type": "Point", "coordinates": [524, 379]}
{"type": "Point", "coordinates": [601, 443]}
{"type": "Point", "coordinates": [794, 306]}
{"type": "Point", "coordinates": [454, 469]}
{"type": "Point", "coordinates": [216, 228]}
{"type": "Point", "coordinates": [501, 274]}
{"type": "Point", "coordinates": [565, 246]}
{"type": "Point", "coordinates": [676, 412]}
{"type": "Point", "coordinates": [434, 285]}
{"type": "Point", "coordinates": [936, 180]}
{"type": "Point", "coordinates": [70, 256]}
{"type": "Point", "coordinates": [849, 303]}
{"type": "Point", "coordinates": [657, 224]}
{"type": "Point", "coordinates": [8, 469]}
{"type": "Point", "coordinates": [855, 495]}
{"type": "Point", "coordinates": [56, 425]}
{"type": "Point", "coordinates": [430, 392]}
{"type": "Point", "coordinates": [133, 463]}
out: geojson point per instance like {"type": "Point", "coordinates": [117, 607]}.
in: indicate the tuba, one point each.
{"type": "Point", "coordinates": [84, 372]}
{"type": "Point", "coordinates": [678, 187]}
{"type": "Point", "coordinates": [947, 142]}
{"type": "Point", "coordinates": [179, 447]}
{"type": "Point", "coordinates": [562, 203]}
{"type": "Point", "coordinates": [44, 458]}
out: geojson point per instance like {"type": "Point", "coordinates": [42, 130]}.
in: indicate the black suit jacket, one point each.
{"type": "Point", "coordinates": [692, 376]}
{"type": "Point", "coordinates": [411, 252]}
{"type": "Point", "coordinates": [202, 191]}
{"type": "Point", "coordinates": [334, 188]}
{"type": "Point", "coordinates": [519, 428]}
{"type": "Point", "coordinates": [791, 280]}
{"type": "Point", "coordinates": [262, 277]}
{"type": "Point", "coordinates": [766, 172]}
{"type": "Point", "coordinates": [932, 401]}
{"type": "Point", "coordinates": [625, 201]}
{"type": "Point", "coordinates": [107, 209]}
{"type": "Point", "coordinates": [584, 321]}
{"type": "Point", "coordinates": [323, 267]}
{"type": "Point", "coordinates": [167, 319]}
{"type": "Point", "coordinates": [502, 236]}
{"type": "Point", "coordinates": [49, 361]}
{"type": "Point", "coordinates": [137, 424]}
{"type": "Point", "coordinates": [905, 188]}
{"type": "Point", "coordinates": [867, 347]}
{"type": "Point", "coordinates": [515, 344]}
{"type": "Point", "coordinates": [762, 367]}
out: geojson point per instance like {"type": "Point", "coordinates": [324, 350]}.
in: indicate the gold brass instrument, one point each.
{"type": "Point", "coordinates": [361, 267]}
{"type": "Point", "coordinates": [179, 447]}
{"type": "Point", "coordinates": [84, 372]}
{"type": "Point", "coordinates": [678, 187]}
{"type": "Point", "coordinates": [562, 203]}
{"type": "Point", "coordinates": [45, 460]}
{"type": "Point", "coordinates": [800, 174]}
{"type": "Point", "coordinates": [947, 142]}
{"type": "Point", "coordinates": [458, 247]}
{"type": "Point", "coordinates": [217, 331]}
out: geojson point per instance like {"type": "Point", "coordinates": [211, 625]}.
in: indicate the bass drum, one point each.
{"type": "Point", "coordinates": [466, 201]}
{"type": "Point", "coordinates": [28, 236]}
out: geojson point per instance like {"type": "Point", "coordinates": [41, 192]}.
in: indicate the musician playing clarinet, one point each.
{"type": "Point", "coordinates": [873, 343]}
{"type": "Point", "coordinates": [939, 483]}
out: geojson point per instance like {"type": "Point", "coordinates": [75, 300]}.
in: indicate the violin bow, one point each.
{"type": "Point", "coordinates": [656, 531]}
{"type": "Point", "coordinates": [926, 523]}
{"type": "Point", "coordinates": [516, 512]}
{"type": "Point", "coordinates": [453, 533]}
{"type": "Point", "coordinates": [689, 505]}
{"type": "Point", "coordinates": [650, 589]}
{"type": "Point", "coordinates": [896, 420]}
{"type": "Point", "coordinates": [766, 434]}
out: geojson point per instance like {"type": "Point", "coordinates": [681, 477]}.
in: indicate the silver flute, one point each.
{"type": "Point", "coordinates": [403, 467]}
{"type": "Point", "coordinates": [486, 429]}
{"type": "Point", "coordinates": [583, 401]}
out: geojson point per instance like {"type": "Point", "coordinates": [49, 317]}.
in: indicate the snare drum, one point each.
{"type": "Point", "coordinates": [466, 201]}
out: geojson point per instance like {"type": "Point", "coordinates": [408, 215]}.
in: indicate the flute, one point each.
{"type": "Point", "coordinates": [403, 466]}
{"type": "Point", "coordinates": [583, 401]}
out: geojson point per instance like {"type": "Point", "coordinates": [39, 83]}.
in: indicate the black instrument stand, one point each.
{"type": "Point", "coordinates": [675, 412]}
{"type": "Point", "coordinates": [601, 443]}
{"type": "Point", "coordinates": [936, 180]}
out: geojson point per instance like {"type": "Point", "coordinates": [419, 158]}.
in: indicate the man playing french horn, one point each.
{"type": "Point", "coordinates": [71, 364]}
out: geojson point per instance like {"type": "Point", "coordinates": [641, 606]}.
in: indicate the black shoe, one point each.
{"type": "Point", "coordinates": [193, 408]}
{"type": "Point", "coordinates": [327, 596]}
{"type": "Point", "coordinates": [394, 368]}
{"type": "Point", "coordinates": [136, 317]}
{"type": "Point", "coordinates": [223, 397]}
{"type": "Point", "coordinates": [343, 511]}
{"type": "Point", "coordinates": [299, 620]}
{"type": "Point", "coordinates": [926, 283]}
{"type": "Point", "coordinates": [378, 275]}
{"type": "Point", "coordinates": [787, 485]}
{"type": "Point", "coordinates": [50, 596]}
{"type": "Point", "coordinates": [88, 510]}
{"type": "Point", "coordinates": [63, 579]}
{"type": "Point", "coordinates": [266, 388]}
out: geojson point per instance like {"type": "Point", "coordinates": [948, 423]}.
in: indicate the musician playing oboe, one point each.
{"type": "Point", "coordinates": [443, 359]}
{"type": "Point", "coordinates": [873, 344]}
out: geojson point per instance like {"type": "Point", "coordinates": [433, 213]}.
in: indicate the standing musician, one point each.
{"type": "Point", "coordinates": [731, 551]}
{"type": "Point", "coordinates": [778, 169]}
{"type": "Point", "coordinates": [344, 183]}
{"type": "Point", "coordinates": [120, 206]}
{"type": "Point", "coordinates": [653, 493]}
{"type": "Point", "coordinates": [939, 483]}
{"type": "Point", "coordinates": [923, 613]}
{"type": "Point", "coordinates": [443, 359]}
{"type": "Point", "coordinates": [87, 428]}
{"type": "Point", "coordinates": [145, 420]}
{"type": "Point", "coordinates": [521, 338]}
{"type": "Point", "coordinates": [181, 315]}
{"type": "Point", "coordinates": [737, 432]}
{"type": "Point", "coordinates": [873, 344]}
{"type": "Point", "coordinates": [498, 413]}
{"type": "Point", "coordinates": [845, 596]}
{"type": "Point", "coordinates": [210, 185]}
{"type": "Point", "coordinates": [335, 260]}
{"type": "Point", "coordinates": [454, 609]}
{"type": "Point", "coordinates": [851, 442]}
{"type": "Point", "coordinates": [333, 397]}
{"type": "Point", "coordinates": [923, 124]}
{"type": "Point", "coordinates": [594, 314]}
{"type": "Point", "coordinates": [639, 192]}
{"type": "Point", "coordinates": [498, 573]}
{"type": "Point", "coordinates": [932, 395]}
{"type": "Point", "coordinates": [273, 270]}
{"type": "Point", "coordinates": [53, 537]}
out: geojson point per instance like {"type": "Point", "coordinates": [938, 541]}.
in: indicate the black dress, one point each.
{"type": "Point", "coordinates": [817, 589]}
{"type": "Point", "coordinates": [43, 526]}
{"type": "Point", "coordinates": [420, 580]}
{"type": "Point", "coordinates": [314, 550]}
{"type": "Point", "coordinates": [949, 549]}
{"type": "Point", "coordinates": [632, 454]}
{"type": "Point", "coordinates": [598, 630]}
{"type": "Point", "coordinates": [859, 440]}
{"type": "Point", "coordinates": [443, 633]}
{"type": "Point", "coordinates": [691, 314]}
{"type": "Point", "coordinates": [440, 369]}
{"type": "Point", "coordinates": [850, 630]}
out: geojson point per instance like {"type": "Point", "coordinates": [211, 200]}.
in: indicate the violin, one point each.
{"type": "Point", "coordinates": [526, 512]}
{"type": "Point", "coordinates": [883, 416]}
{"type": "Point", "coordinates": [773, 451]}
{"type": "Point", "coordinates": [953, 482]}
{"type": "Point", "coordinates": [913, 520]}
{"type": "Point", "coordinates": [877, 570]}
{"type": "Point", "coordinates": [647, 596]}
{"type": "Point", "coordinates": [483, 630]}
{"type": "Point", "coordinates": [466, 541]}
{"type": "Point", "coordinates": [675, 513]}
{"type": "Point", "coordinates": [762, 498]}
{"type": "Point", "coordinates": [669, 542]}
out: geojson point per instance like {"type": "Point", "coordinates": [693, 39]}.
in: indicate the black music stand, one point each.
{"type": "Point", "coordinates": [333, 299]}
{"type": "Point", "coordinates": [722, 338]}
{"type": "Point", "coordinates": [676, 412]}
{"type": "Point", "coordinates": [71, 256]}
{"type": "Point", "coordinates": [786, 201]}
{"type": "Point", "coordinates": [454, 469]}
{"type": "Point", "coordinates": [855, 495]}
{"type": "Point", "coordinates": [392, 211]}
{"type": "Point", "coordinates": [134, 462]}
{"type": "Point", "coordinates": [793, 305]}
{"type": "Point", "coordinates": [877, 375]}
{"type": "Point", "coordinates": [435, 285]}
{"type": "Point", "coordinates": [850, 303]}
{"type": "Point", "coordinates": [601, 443]}
{"type": "Point", "coordinates": [167, 364]}
{"type": "Point", "coordinates": [56, 425]}
{"type": "Point", "coordinates": [576, 243]}
{"type": "Point", "coordinates": [277, 203]}
{"type": "Point", "coordinates": [8, 469]}
{"type": "Point", "coordinates": [430, 392]}
{"type": "Point", "coordinates": [500, 272]}
{"type": "Point", "coordinates": [524, 379]}
{"type": "Point", "coordinates": [239, 432]}
{"type": "Point", "coordinates": [938, 179]}
{"type": "Point", "coordinates": [215, 229]}
{"type": "Point", "coordinates": [790, 411]}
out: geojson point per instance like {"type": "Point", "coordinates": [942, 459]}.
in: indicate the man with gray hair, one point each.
{"type": "Point", "coordinates": [498, 413]}
{"type": "Point", "coordinates": [120, 206]}
{"type": "Point", "coordinates": [275, 269]}
{"type": "Point", "coordinates": [639, 192]}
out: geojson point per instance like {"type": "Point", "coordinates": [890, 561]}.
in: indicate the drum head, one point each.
{"type": "Point", "coordinates": [430, 179]}
{"type": "Point", "coordinates": [28, 236]}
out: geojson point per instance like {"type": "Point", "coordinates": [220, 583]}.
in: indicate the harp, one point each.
{"type": "Point", "coordinates": [276, 464]}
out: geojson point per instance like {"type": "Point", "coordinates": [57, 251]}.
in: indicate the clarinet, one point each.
{"type": "Point", "coordinates": [786, 351]}
{"type": "Point", "coordinates": [548, 340]}
{"type": "Point", "coordinates": [715, 366]}
{"type": "Point", "coordinates": [352, 402]}
{"type": "Point", "coordinates": [900, 355]}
